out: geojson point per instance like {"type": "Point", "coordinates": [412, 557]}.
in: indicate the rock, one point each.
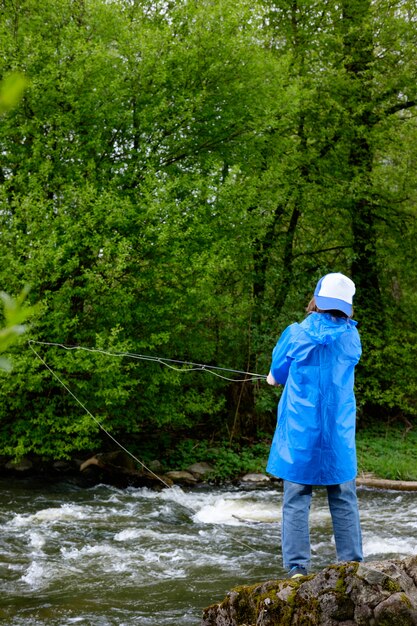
{"type": "Point", "coordinates": [117, 459]}
{"type": "Point", "coordinates": [118, 469]}
{"type": "Point", "coordinates": [200, 469]}
{"type": "Point", "coordinates": [382, 593]}
{"type": "Point", "coordinates": [62, 466]}
{"type": "Point", "coordinates": [255, 478]}
{"type": "Point", "coordinates": [24, 465]}
{"type": "Point", "coordinates": [397, 609]}
{"type": "Point", "coordinates": [182, 477]}
{"type": "Point", "coordinates": [155, 466]}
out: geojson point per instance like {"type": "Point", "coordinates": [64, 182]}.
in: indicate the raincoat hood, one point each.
{"type": "Point", "coordinates": [323, 328]}
{"type": "Point", "coordinates": [314, 442]}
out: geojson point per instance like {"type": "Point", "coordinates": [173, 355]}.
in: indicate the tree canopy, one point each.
{"type": "Point", "coordinates": [176, 178]}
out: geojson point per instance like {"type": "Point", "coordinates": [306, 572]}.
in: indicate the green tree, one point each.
{"type": "Point", "coordinates": [353, 64]}
{"type": "Point", "coordinates": [116, 207]}
{"type": "Point", "coordinates": [175, 180]}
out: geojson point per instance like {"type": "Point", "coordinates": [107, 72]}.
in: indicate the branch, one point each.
{"type": "Point", "coordinates": [295, 256]}
{"type": "Point", "coordinates": [401, 107]}
{"type": "Point", "coordinates": [205, 145]}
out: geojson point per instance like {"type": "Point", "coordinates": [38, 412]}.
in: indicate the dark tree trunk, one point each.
{"type": "Point", "coordinates": [359, 57]}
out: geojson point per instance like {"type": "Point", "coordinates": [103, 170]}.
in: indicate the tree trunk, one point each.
{"type": "Point", "coordinates": [358, 60]}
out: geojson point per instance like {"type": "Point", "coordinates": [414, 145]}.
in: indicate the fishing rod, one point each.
{"type": "Point", "coordinates": [163, 361]}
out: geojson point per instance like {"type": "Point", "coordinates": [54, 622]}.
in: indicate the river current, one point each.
{"type": "Point", "coordinates": [104, 556]}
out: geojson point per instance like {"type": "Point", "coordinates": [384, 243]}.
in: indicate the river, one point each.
{"type": "Point", "coordinates": [104, 556]}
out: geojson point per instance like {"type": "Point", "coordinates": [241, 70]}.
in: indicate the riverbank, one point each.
{"type": "Point", "coordinates": [388, 452]}
{"type": "Point", "coordinates": [383, 452]}
{"type": "Point", "coordinates": [387, 458]}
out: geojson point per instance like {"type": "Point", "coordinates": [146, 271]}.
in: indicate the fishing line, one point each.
{"type": "Point", "coordinates": [92, 416]}
{"type": "Point", "coordinates": [198, 367]}
{"type": "Point", "coordinates": [211, 369]}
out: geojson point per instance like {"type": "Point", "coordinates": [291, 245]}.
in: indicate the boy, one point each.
{"type": "Point", "coordinates": [314, 442]}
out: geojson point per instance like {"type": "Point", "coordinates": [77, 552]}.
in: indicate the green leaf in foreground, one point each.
{"type": "Point", "coordinates": [11, 91]}
{"type": "Point", "coordinates": [15, 313]}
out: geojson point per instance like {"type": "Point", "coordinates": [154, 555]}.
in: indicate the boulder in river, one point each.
{"type": "Point", "coordinates": [381, 593]}
{"type": "Point", "coordinates": [199, 470]}
{"type": "Point", "coordinates": [118, 469]}
{"type": "Point", "coordinates": [182, 477]}
{"type": "Point", "coordinates": [255, 478]}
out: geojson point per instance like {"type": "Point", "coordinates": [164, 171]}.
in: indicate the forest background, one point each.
{"type": "Point", "coordinates": [174, 181]}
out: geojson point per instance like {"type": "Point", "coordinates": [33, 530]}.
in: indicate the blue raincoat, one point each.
{"type": "Point", "coordinates": [314, 442]}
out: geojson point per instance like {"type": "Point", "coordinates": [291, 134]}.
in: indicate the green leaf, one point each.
{"type": "Point", "coordinates": [5, 364]}
{"type": "Point", "coordinates": [11, 91]}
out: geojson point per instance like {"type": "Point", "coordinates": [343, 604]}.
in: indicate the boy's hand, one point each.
{"type": "Point", "coordinates": [271, 380]}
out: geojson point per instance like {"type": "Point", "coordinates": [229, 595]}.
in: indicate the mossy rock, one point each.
{"type": "Point", "coordinates": [374, 594]}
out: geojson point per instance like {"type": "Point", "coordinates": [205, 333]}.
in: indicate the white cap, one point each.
{"type": "Point", "coordinates": [335, 291]}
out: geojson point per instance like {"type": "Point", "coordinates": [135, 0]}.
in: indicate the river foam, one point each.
{"type": "Point", "coordinates": [113, 556]}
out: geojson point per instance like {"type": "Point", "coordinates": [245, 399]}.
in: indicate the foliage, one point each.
{"type": "Point", "coordinates": [11, 91]}
{"type": "Point", "coordinates": [14, 313]}
{"type": "Point", "coordinates": [228, 460]}
{"type": "Point", "coordinates": [388, 452]}
{"type": "Point", "coordinates": [174, 180]}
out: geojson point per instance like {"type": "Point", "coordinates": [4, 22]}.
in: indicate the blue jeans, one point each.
{"type": "Point", "coordinates": [343, 507]}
